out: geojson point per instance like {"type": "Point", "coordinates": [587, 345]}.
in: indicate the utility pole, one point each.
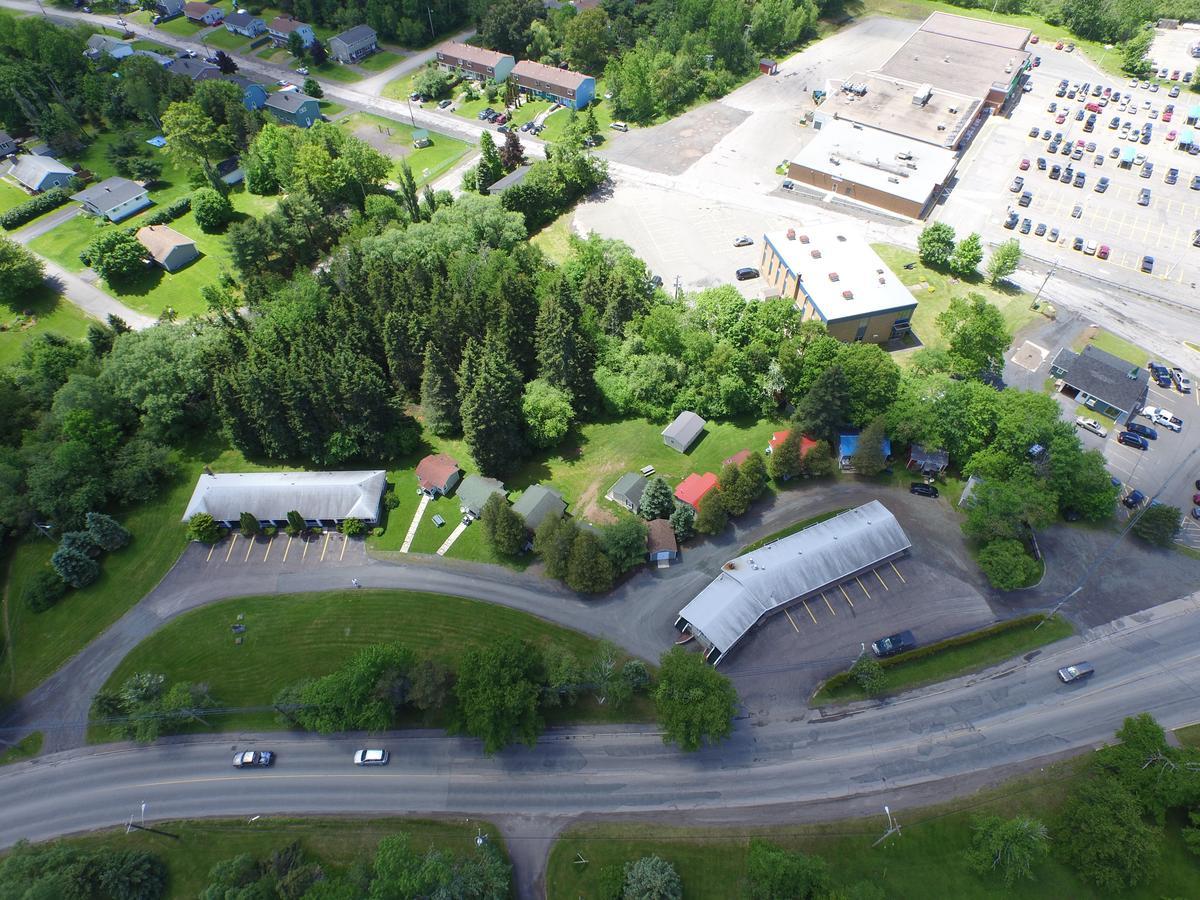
{"type": "Point", "coordinates": [893, 828]}
{"type": "Point", "coordinates": [1034, 303]}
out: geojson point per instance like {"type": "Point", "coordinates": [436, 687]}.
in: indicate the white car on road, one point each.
{"type": "Point", "coordinates": [370, 757]}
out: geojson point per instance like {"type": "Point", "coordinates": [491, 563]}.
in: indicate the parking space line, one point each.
{"type": "Point", "coordinates": [231, 543]}
{"type": "Point", "coordinates": [211, 548]}
{"type": "Point", "coordinates": [304, 555]}
{"type": "Point", "coordinates": [790, 619]}
{"type": "Point", "coordinates": [897, 571]}
{"type": "Point", "coordinates": [267, 552]}
{"type": "Point", "coordinates": [861, 585]}
{"type": "Point", "coordinates": [342, 555]}
{"type": "Point", "coordinates": [828, 604]}
{"type": "Point", "coordinates": [249, 547]}
{"type": "Point", "coordinates": [325, 546]}
{"type": "Point", "coordinates": [288, 548]}
{"type": "Point", "coordinates": [809, 611]}
{"type": "Point", "coordinates": [881, 581]}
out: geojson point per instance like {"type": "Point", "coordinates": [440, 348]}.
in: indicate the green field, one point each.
{"type": "Point", "coordinates": [427, 164]}
{"type": "Point", "coordinates": [63, 243]}
{"type": "Point", "coordinates": [337, 843]}
{"type": "Point", "coordinates": [225, 39]}
{"type": "Point", "coordinates": [555, 239]}
{"type": "Point", "coordinates": [951, 662]}
{"type": "Point", "coordinates": [329, 108]}
{"type": "Point", "coordinates": [294, 636]}
{"type": "Point", "coordinates": [380, 60]}
{"type": "Point", "coordinates": [925, 861]}
{"type": "Point", "coordinates": [181, 26]}
{"type": "Point", "coordinates": [1110, 343]}
{"type": "Point", "coordinates": [26, 748]}
{"type": "Point", "coordinates": [400, 88]}
{"type": "Point", "coordinates": [1189, 736]}
{"type": "Point", "coordinates": [329, 71]}
{"type": "Point", "coordinates": [49, 312]}
{"type": "Point", "coordinates": [41, 642]}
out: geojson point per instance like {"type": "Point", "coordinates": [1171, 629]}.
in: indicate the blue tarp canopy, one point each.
{"type": "Point", "coordinates": [1189, 136]}
{"type": "Point", "coordinates": [157, 141]}
{"type": "Point", "coordinates": [848, 443]}
{"type": "Point", "coordinates": [1127, 154]}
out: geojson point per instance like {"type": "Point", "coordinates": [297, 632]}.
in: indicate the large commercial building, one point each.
{"type": "Point", "coordinates": [786, 571]}
{"type": "Point", "coordinates": [922, 112]}
{"type": "Point", "coordinates": [839, 280]}
{"type": "Point", "coordinates": [322, 498]}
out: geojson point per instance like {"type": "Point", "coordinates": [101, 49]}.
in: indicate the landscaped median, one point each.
{"type": "Point", "coordinates": [946, 659]}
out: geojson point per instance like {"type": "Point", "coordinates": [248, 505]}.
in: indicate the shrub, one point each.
{"type": "Point", "coordinates": [269, 531]}
{"type": "Point", "coordinates": [651, 878]}
{"type": "Point", "coordinates": [46, 589]}
{"type": "Point", "coordinates": [377, 532]}
{"type": "Point", "coordinates": [106, 532]}
{"type": "Point", "coordinates": [34, 207]}
{"type": "Point", "coordinates": [75, 568]}
{"type": "Point", "coordinates": [115, 254]}
{"type": "Point", "coordinates": [170, 212]}
{"type": "Point", "coordinates": [248, 524]}
{"type": "Point", "coordinates": [390, 500]}
{"type": "Point", "coordinates": [1007, 565]}
{"type": "Point", "coordinates": [636, 675]}
{"type": "Point", "coordinates": [203, 528]}
{"type": "Point", "coordinates": [212, 210]}
{"type": "Point", "coordinates": [869, 674]}
{"type": "Point", "coordinates": [353, 527]}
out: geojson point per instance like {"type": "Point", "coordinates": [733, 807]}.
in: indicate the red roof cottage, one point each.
{"type": "Point", "coordinates": [695, 488]}
{"type": "Point", "coordinates": [437, 474]}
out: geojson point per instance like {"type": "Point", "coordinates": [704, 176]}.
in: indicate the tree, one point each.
{"type": "Point", "coordinates": [976, 334]}
{"type": "Point", "coordinates": [203, 528]}
{"type": "Point", "coordinates": [872, 380]}
{"type": "Point", "coordinates": [1007, 565]}
{"type": "Point", "coordinates": [116, 254]}
{"type": "Point", "coordinates": [353, 528]}
{"type": "Point", "coordinates": [431, 683]}
{"type": "Point", "coordinates": [502, 526]}
{"type": "Point", "coordinates": [651, 878]}
{"type": "Point", "coordinates": [785, 460]}
{"type": "Point", "coordinates": [1158, 524]}
{"type": "Point", "coordinates": [20, 272]}
{"type": "Point", "coordinates": [625, 543]}
{"type": "Point", "coordinates": [75, 567]}
{"type": "Point", "coordinates": [194, 137]}
{"type": "Point", "coordinates": [1008, 847]}
{"type": "Point", "coordinates": [489, 169]}
{"type": "Point", "coordinates": [658, 500]}
{"type": "Point", "coordinates": [754, 475]}
{"type": "Point", "coordinates": [935, 245]}
{"type": "Point", "coordinates": [586, 40]}
{"type": "Point", "coordinates": [967, 256]}
{"type": "Point", "coordinates": [589, 570]}
{"type": "Point", "coordinates": [498, 691]}
{"type": "Point", "coordinates": [506, 26]}
{"type": "Point", "coordinates": [1103, 835]}
{"type": "Point", "coordinates": [312, 87]}
{"type": "Point", "coordinates": [439, 394]}
{"type": "Point", "coordinates": [295, 44]}
{"type": "Point", "coordinates": [44, 590]}
{"type": "Point", "coordinates": [547, 412]}
{"type": "Point", "coordinates": [226, 63]}
{"type": "Point", "coordinates": [712, 516]}
{"type": "Point", "coordinates": [433, 83]}
{"type": "Point", "coordinates": [212, 210]}
{"type": "Point", "coordinates": [1002, 509]}
{"type": "Point", "coordinates": [248, 525]}
{"type": "Point", "coordinates": [319, 55]}
{"type": "Point", "coordinates": [106, 532]}
{"type": "Point", "coordinates": [363, 694]}
{"type": "Point", "coordinates": [552, 542]}
{"type": "Point", "coordinates": [565, 357]}
{"type": "Point", "coordinates": [296, 523]}
{"type": "Point", "coordinates": [868, 674]}
{"type": "Point", "coordinates": [491, 407]}
{"type": "Point", "coordinates": [1004, 261]}
{"type": "Point", "coordinates": [695, 703]}
{"type": "Point", "coordinates": [683, 522]}
{"type": "Point", "coordinates": [825, 407]}
{"type": "Point", "coordinates": [868, 458]}
{"type": "Point", "coordinates": [778, 874]}
{"type": "Point", "coordinates": [512, 153]}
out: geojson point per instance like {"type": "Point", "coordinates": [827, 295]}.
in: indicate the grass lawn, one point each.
{"type": "Point", "coordinates": [63, 243]}
{"type": "Point", "coordinates": [227, 40]}
{"type": "Point", "coordinates": [10, 196]}
{"type": "Point", "coordinates": [395, 139]}
{"type": "Point", "coordinates": [330, 108]}
{"type": "Point", "coordinates": [41, 642]}
{"type": "Point", "coordinates": [927, 861]}
{"type": "Point", "coordinates": [400, 88]}
{"type": "Point", "coordinates": [988, 650]}
{"type": "Point", "coordinates": [1189, 736]}
{"type": "Point", "coordinates": [181, 26]}
{"type": "Point", "coordinates": [49, 312]}
{"type": "Point", "coordinates": [277, 55]}
{"type": "Point", "coordinates": [336, 843]}
{"type": "Point", "coordinates": [26, 748]}
{"type": "Point", "coordinates": [942, 288]}
{"type": "Point", "coordinates": [792, 529]}
{"type": "Point", "coordinates": [1110, 343]}
{"type": "Point", "coordinates": [377, 62]}
{"type": "Point", "coordinates": [555, 239]}
{"type": "Point", "coordinates": [330, 71]}
{"type": "Point", "coordinates": [293, 636]}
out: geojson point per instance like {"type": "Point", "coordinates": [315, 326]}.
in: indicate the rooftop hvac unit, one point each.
{"type": "Point", "coordinates": [833, 276]}
{"type": "Point", "coordinates": [882, 280]}
{"type": "Point", "coordinates": [847, 295]}
{"type": "Point", "coordinates": [791, 234]}
{"type": "Point", "coordinates": [953, 110]}
{"type": "Point", "coordinates": [922, 94]}
{"type": "Point", "coordinates": [804, 238]}
{"type": "Point", "coordinates": [815, 254]}
{"type": "Point", "coordinates": [894, 180]}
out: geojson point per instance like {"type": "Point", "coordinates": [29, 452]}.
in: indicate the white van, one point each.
{"type": "Point", "coordinates": [619, 126]}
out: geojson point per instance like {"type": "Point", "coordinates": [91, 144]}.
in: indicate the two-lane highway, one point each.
{"type": "Point", "coordinates": [1150, 662]}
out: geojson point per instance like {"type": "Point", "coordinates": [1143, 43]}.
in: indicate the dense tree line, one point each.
{"type": "Point", "coordinates": [60, 870]}
{"type": "Point", "coordinates": [146, 706]}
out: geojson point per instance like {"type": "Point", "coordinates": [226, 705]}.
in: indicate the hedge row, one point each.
{"type": "Point", "coordinates": [841, 679]}
{"type": "Point", "coordinates": [169, 213]}
{"type": "Point", "coordinates": [34, 207]}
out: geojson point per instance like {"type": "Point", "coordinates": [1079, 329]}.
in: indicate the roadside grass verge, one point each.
{"type": "Point", "coordinates": [377, 62]}
{"type": "Point", "coordinates": [290, 637]}
{"type": "Point", "coordinates": [1110, 343]}
{"type": "Point", "coordinates": [792, 529]}
{"type": "Point", "coordinates": [927, 861]}
{"type": "Point", "coordinates": [26, 748]}
{"type": "Point", "coordinates": [1189, 736]}
{"type": "Point", "coordinates": [950, 658]}
{"type": "Point", "coordinates": [48, 311]}
{"type": "Point", "coordinates": [336, 843]}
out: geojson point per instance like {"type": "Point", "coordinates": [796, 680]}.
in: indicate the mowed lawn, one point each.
{"type": "Point", "coordinates": [41, 642]}
{"type": "Point", "coordinates": [396, 140]}
{"type": "Point", "coordinates": [227, 40]}
{"type": "Point", "coordinates": [181, 26]}
{"type": "Point", "coordinates": [49, 312]}
{"type": "Point", "coordinates": [11, 195]}
{"type": "Point", "coordinates": [195, 846]}
{"type": "Point", "coordinates": [1110, 343]}
{"type": "Point", "coordinates": [329, 71]}
{"type": "Point", "coordinates": [379, 61]}
{"type": "Point", "coordinates": [290, 637]}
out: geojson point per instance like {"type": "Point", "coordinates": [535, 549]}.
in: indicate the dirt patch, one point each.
{"type": "Point", "coordinates": [588, 506]}
{"type": "Point", "coordinates": [381, 138]}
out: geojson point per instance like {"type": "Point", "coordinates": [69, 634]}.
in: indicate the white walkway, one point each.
{"type": "Point", "coordinates": [416, 520]}
{"type": "Point", "coordinates": [461, 527]}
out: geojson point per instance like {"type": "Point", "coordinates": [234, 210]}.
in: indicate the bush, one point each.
{"type": "Point", "coordinates": [75, 568]}
{"type": "Point", "coordinates": [353, 527]}
{"type": "Point", "coordinates": [869, 674]}
{"type": "Point", "coordinates": [390, 500]}
{"type": "Point", "coordinates": [248, 524]}
{"type": "Point", "coordinates": [212, 210]}
{"type": "Point", "coordinates": [46, 589]}
{"type": "Point", "coordinates": [778, 874]}
{"type": "Point", "coordinates": [203, 528]}
{"type": "Point", "coordinates": [377, 532]}
{"type": "Point", "coordinates": [34, 207]}
{"type": "Point", "coordinates": [106, 532]}
{"type": "Point", "coordinates": [115, 254]}
{"type": "Point", "coordinates": [1007, 565]}
{"type": "Point", "coordinates": [651, 878]}
{"type": "Point", "coordinates": [636, 675]}
{"type": "Point", "coordinates": [170, 212]}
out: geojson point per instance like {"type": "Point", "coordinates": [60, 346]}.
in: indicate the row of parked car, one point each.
{"type": "Point", "coordinates": [903, 641]}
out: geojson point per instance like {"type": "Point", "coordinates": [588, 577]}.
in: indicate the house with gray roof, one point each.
{"type": "Point", "coordinates": [8, 146]}
{"type": "Point", "coordinates": [473, 493]}
{"type": "Point", "coordinates": [628, 490]}
{"type": "Point", "coordinates": [513, 178]}
{"type": "Point", "coordinates": [357, 43]}
{"type": "Point", "coordinates": [254, 95]}
{"type": "Point", "coordinates": [194, 69]}
{"type": "Point", "coordinates": [244, 24]}
{"type": "Point", "coordinates": [1101, 381]}
{"type": "Point", "coordinates": [682, 433]}
{"type": "Point", "coordinates": [169, 9]}
{"type": "Point", "coordinates": [293, 108]}
{"type": "Point", "coordinates": [113, 198]}
{"type": "Point", "coordinates": [762, 582]}
{"type": "Point", "coordinates": [322, 498]}
{"type": "Point", "coordinates": [538, 503]}
{"type": "Point", "coordinates": [40, 173]}
{"type": "Point", "coordinates": [281, 29]}
{"type": "Point", "coordinates": [103, 45]}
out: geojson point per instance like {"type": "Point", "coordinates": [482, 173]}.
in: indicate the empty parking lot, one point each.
{"type": "Point", "coordinates": [283, 552]}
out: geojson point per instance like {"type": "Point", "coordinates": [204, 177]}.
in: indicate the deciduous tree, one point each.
{"type": "Point", "coordinates": [778, 874]}
{"type": "Point", "coordinates": [1007, 565]}
{"type": "Point", "coordinates": [1158, 524]}
{"type": "Point", "coordinates": [498, 691]}
{"type": "Point", "coordinates": [1007, 847]}
{"type": "Point", "coordinates": [212, 210]}
{"type": "Point", "coordinates": [547, 412]}
{"type": "Point", "coordinates": [977, 335]}
{"type": "Point", "coordinates": [116, 255]}
{"type": "Point", "coordinates": [20, 272]}
{"type": "Point", "coordinates": [935, 245]}
{"type": "Point", "coordinates": [695, 703]}
{"type": "Point", "coordinates": [1004, 261]}
{"type": "Point", "coordinates": [967, 256]}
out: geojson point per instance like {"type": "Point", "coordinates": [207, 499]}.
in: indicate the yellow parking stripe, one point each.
{"type": "Point", "coordinates": [288, 548]}
{"type": "Point", "coordinates": [267, 552]}
{"type": "Point", "coordinates": [828, 605]}
{"type": "Point", "coordinates": [881, 581]}
{"type": "Point", "coordinates": [897, 571]}
{"type": "Point", "coordinates": [861, 585]}
{"type": "Point", "coordinates": [211, 548]}
{"type": "Point", "coordinates": [249, 547]}
{"type": "Point", "coordinates": [304, 555]}
{"type": "Point", "coordinates": [325, 546]}
{"type": "Point", "coordinates": [790, 619]}
{"type": "Point", "coordinates": [342, 555]}
{"type": "Point", "coordinates": [809, 611]}
{"type": "Point", "coordinates": [231, 543]}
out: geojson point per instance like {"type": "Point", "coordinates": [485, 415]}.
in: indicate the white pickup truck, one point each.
{"type": "Point", "coordinates": [1163, 417]}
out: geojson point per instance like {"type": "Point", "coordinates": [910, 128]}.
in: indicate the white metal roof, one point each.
{"type": "Point", "coordinates": [272, 495]}
{"type": "Point", "coordinates": [751, 586]}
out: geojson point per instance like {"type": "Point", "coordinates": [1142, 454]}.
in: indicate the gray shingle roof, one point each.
{"type": "Point", "coordinates": [193, 68]}
{"type": "Point", "coordinates": [271, 495]}
{"type": "Point", "coordinates": [1107, 377]}
{"type": "Point", "coordinates": [356, 35]}
{"type": "Point", "coordinates": [474, 491]}
{"type": "Point", "coordinates": [110, 192]}
{"type": "Point", "coordinates": [754, 585]}
{"type": "Point", "coordinates": [288, 101]}
{"type": "Point", "coordinates": [30, 169]}
{"type": "Point", "coordinates": [240, 20]}
{"type": "Point", "coordinates": [629, 487]}
{"type": "Point", "coordinates": [537, 503]}
{"type": "Point", "coordinates": [516, 176]}
{"type": "Point", "coordinates": [686, 427]}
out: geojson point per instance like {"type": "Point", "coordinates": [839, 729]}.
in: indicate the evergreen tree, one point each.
{"type": "Point", "coordinates": [712, 517]}
{"type": "Point", "coordinates": [589, 571]}
{"type": "Point", "coordinates": [818, 462]}
{"type": "Point", "coordinates": [564, 353]}
{"type": "Point", "coordinates": [754, 475]}
{"type": "Point", "coordinates": [491, 410]}
{"type": "Point", "coordinates": [489, 169]}
{"type": "Point", "coordinates": [823, 409]}
{"type": "Point", "coordinates": [296, 523]}
{"type": "Point", "coordinates": [785, 459]}
{"type": "Point", "coordinates": [552, 542]}
{"type": "Point", "coordinates": [439, 394]}
{"type": "Point", "coordinates": [408, 192]}
{"type": "Point", "coordinates": [75, 568]}
{"type": "Point", "coordinates": [248, 524]}
{"type": "Point", "coordinates": [502, 526]}
{"type": "Point", "coordinates": [733, 496]}
{"type": "Point", "coordinates": [658, 500]}
{"type": "Point", "coordinates": [868, 456]}
{"type": "Point", "coordinates": [590, 126]}
{"type": "Point", "coordinates": [106, 532]}
{"type": "Point", "coordinates": [683, 522]}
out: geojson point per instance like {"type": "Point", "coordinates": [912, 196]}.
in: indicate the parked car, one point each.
{"type": "Point", "coordinates": [1023, 165]}
{"type": "Point", "coordinates": [618, 126]}
{"type": "Point", "coordinates": [1091, 425]}
{"type": "Point", "coordinates": [1163, 417]}
{"type": "Point", "coordinates": [747, 273]}
{"type": "Point", "coordinates": [1076, 672]}
{"type": "Point", "coordinates": [1041, 163]}
{"type": "Point", "coordinates": [1052, 237]}
{"type": "Point", "coordinates": [1077, 211]}
{"type": "Point", "coordinates": [1017, 184]}
{"type": "Point", "coordinates": [893, 644]}
{"type": "Point", "coordinates": [743, 241]}
{"type": "Point", "coordinates": [1103, 251]}
{"type": "Point", "coordinates": [1172, 176]}
{"type": "Point", "coordinates": [1147, 265]}
{"type": "Point", "coordinates": [1144, 197]}
{"type": "Point", "coordinates": [1148, 170]}
{"type": "Point", "coordinates": [1040, 230]}
{"type": "Point", "coordinates": [1101, 184]}
{"type": "Point", "coordinates": [253, 758]}
{"type": "Point", "coordinates": [1133, 499]}
{"type": "Point", "coordinates": [371, 757]}
{"type": "Point", "coordinates": [922, 489]}
{"type": "Point", "coordinates": [1077, 244]}
{"type": "Point", "coordinates": [1026, 198]}
{"type": "Point", "coordinates": [1182, 383]}
{"type": "Point", "coordinates": [1026, 225]}
{"type": "Point", "coordinates": [1145, 431]}
{"type": "Point", "coordinates": [1011, 222]}
{"type": "Point", "coordinates": [1129, 439]}
{"type": "Point", "coordinates": [1159, 374]}
{"type": "Point", "coordinates": [1080, 179]}
{"type": "Point", "coordinates": [445, 104]}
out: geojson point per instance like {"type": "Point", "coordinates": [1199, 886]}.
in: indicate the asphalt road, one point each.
{"type": "Point", "coordinates": [1148, 662]}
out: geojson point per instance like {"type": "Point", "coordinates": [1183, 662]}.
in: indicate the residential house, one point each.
{"type": "Point", "coordinates": [8, 146]}
{"type": "Point", "coordinates": [662, 548]}
{"type": "Point", "coordinates": [99, 45]}
{"type": "Point", "coordinates": [1101, 382]}
{"type": "Point", "coordinates": [437, 474]}
{"type": "Point", "coordinates": [195, 69]}
{"type": "Point", "coordinates": [168, 9]}
{"type": "Point", "coordinates": [806, 443]}
{"type": "Point", "coordinates": [254, 95]}
{"type": "Point", "coordinates": [160, 58]}
{"type": "Point", "coordinates": [628, 490]}
{"type": "Point", "coordinates": [737, 459]}
{"type": "Point", "coordinates": [294, 108]}
{"type": "Point", "coordinates": [848, 445]}
{"type": "Point", "coordinates": [40, 173]}
{"type": "Point", "coordinates": [682, 433]}
{"type": "Point", "coordinates": [322, 498]}
{"type": "Point", "coordinates": [281, 29]}
{"type": "Point", "coordinates": [244, 24]}
{"type": "Point", "coordinates": [927, 462]}
{"type": "Point", "coordinates": [167, 247]}
{"type": "Point", "coordinates": [351, 46]}
{"type": "Point", "coordinates": [475, 62]}
{"type": "Point", "coordinates": [695, 488]}
{"type": "Point", "coordinates": [473, 493]}
{"type": "Point", "coordinates": [113, 198]}
{"type": "Point", "coordinates": [203, 13]}
{"type": "Point", "coordinates": [230, 170]}
{"type": "Point", "coordinates": [539, 503]}
{"type": "Point", "coordinates": [564, 87]}
{"type": "Point", "coordinates": [515, 177]}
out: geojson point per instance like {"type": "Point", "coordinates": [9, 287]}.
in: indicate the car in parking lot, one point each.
{"type": "Point", "coordinates": [1011, 222]}
{"type": "Point", "coordinates": [1091, 425]}
{"type": "Point", "coordinates": [1129, 439]}
{"type": "Point", "coordinates": [1174, 92]}
{"type": "Point", "coordinates": [1060, 118]}
{"type": "Point", "coordinates": [1159, 374]}
{"type": "Point", "coordinates": [1195, 184]}
{"type": "Point", "coordinates": [1041, 163]}
{"type": "Point", "coordinates": [1163, 417]}
{"type": "Point", "coordinates": [1076, 211]}
{"type": "Point", "coordinates": [1103, 251]}
{"type": "Point", "coordinates": [1026, 225]}
{"type": "Point", "coordinates": [245, 759]}
{"type": "Point", "coordinates": [893, 644]}
{"type": "Point", "coordinates": [1183, 384]}
{"type": "Point", "coordinates": [378, 757]}
{"type": "Point", "coordinates": [1133, 499]}
{"type": "Point", "coordinates": [1067, 174]}
{"type": "Point", "coordinates": [1144, 197]}
{"type": "Point", "coordinates": [743, 241]}
{"type": "Point", "coordinates": [1080, 178]}
{"type": "Point", "coordinates": [1147, 170]}
{"type": "Point", "coordinates": [922, 489]}
{"type": "Point", "coordinates": [1145, 431]}
{"type": "Point", "coordinates": [1026, 198]}
{"type": "Point", "coordinates": [1114, 152]}
{"type": "Point", "coordinates": [1056, 170]}
{"type": "Point", "coordinates": [1077, 244]}
{"type": "Point", "coordinates": [1033, 132]}
{"type": "Point", "coordinates": [746, 273]}
{"type": "Point", "coordinates": [1040, 230]}
{"type": "Point", "coordinates": [1023, 165]}
{"type": "Point", "coordinates": [1090, 248]}
{"type": "Point", "coordinates": [1076, 672]}
{"type": "Point", "coordinates": [1172, 176]}
{"type": "Point", "coordinates": [1052, 237]}
{"type": "Point", "coordinates": [1017, 184]}
{"type": "Point", "coordinates": [1101, 184]}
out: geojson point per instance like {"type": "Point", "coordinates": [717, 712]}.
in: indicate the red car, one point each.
{"type": "Point", "coordinates": [1060, 118]}
{"type": "Point", "coordinates": [1175, 75]}
{"type": "Point", "coordinates": [500, 119]}
{"type": "Point", "coordinates": [1102, 252]}
{"type": "Point", "coordinates": [1166, 117]}
{"type": "Point", "coordinates": [1034, 39]}
{"type": "Point", "coordinates": [1171, 135]}
{"type": "Point", "coordinates": [1058, 46]}
{"type": "Point", "coordinates": [1024, 165]}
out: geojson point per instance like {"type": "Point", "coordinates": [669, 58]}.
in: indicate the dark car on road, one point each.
{"type": "Point", "coordinates": [896, 643]}
{"type": "Point", "coordinates": [1076, 672]}
{"type": "Point", "coordinates": [253, 758]}
{"type": "Point", "coordinates": [1129, 439]}
{"type": "Point", "coordinates": [923, 489]}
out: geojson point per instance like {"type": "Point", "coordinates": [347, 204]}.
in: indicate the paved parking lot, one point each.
{"type": "Point", "coordinates": [285, 553]}
{"type": "Point", "coordinates": [1170, 48]}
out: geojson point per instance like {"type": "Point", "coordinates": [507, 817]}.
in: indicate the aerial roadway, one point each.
{"type": "Point", "coordinates": [1004, 717]}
